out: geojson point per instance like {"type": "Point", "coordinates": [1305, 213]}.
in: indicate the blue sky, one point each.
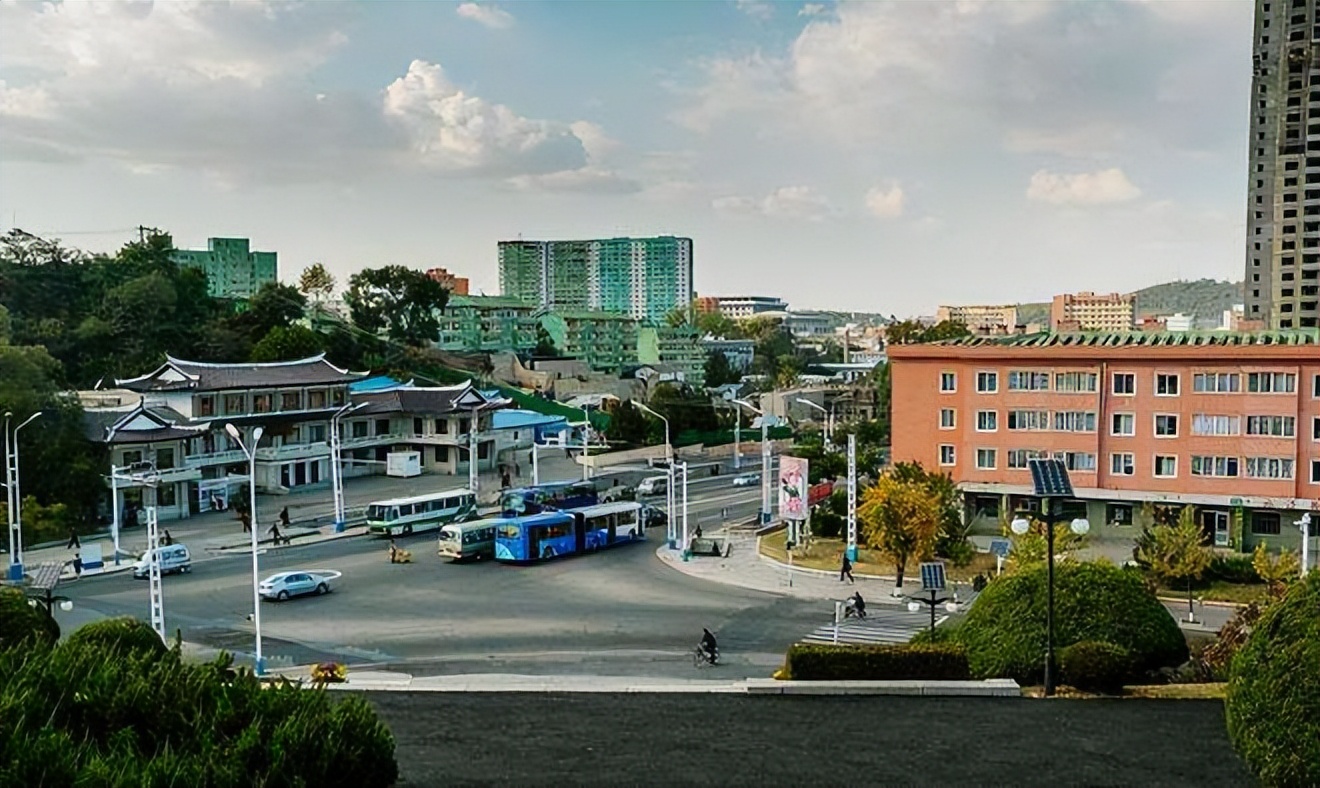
{"type": "Point", "coordinates": [872, 156]}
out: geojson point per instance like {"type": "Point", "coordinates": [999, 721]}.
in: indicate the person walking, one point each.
{"type": "Point", "coordinates": [167, 540]}
{"type": "Point", "coordinates": [846, 570]}
{"type": "Point", "coordinates": [275, 533]}
{"type": "Point", "coordinates": [246, 519]}
{"type": "Point", "coordinates": [504, 481]}
{"type": "Point", "coordinates": [73, 544]}
{"type": "Point", "coordinates": [77, 564]}
{"type": "Point", "coordinates": [284, 517]}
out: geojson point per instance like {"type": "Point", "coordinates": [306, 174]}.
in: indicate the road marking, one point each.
{"type": "Point", "coordinates": [877, 628]}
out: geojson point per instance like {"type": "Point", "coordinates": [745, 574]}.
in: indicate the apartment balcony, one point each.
{"type": "Point", "coordinates": [373, 440]}
{"type": "Point", "coordinates": [214, 458]}
{"type": "Point", "coordinates": [293, 451]}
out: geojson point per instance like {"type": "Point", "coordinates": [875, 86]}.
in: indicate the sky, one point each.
{"type": "Point", "coordinates": [871, 156]}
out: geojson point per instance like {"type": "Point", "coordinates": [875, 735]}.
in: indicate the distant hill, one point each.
{"type": "Point", "coordinates": [1203, 299]}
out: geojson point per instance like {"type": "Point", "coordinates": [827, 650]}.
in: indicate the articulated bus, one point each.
{"type": "Point", "coordinates": [546, 497]}
{"type": "Point", "coordinates": [404, 516]}
{"type": "Point", "coordinates": [550, 534]}
{"type": "Point", "coordinates": [472, 540]}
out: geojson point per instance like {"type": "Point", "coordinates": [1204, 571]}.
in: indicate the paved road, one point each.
{"type": "Point", "coordinates": [619, 612]}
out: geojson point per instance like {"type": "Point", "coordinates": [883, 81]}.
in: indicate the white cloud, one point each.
{"type": "Point", "coordinates": [786, 202]}
{"type": "Point", "coordinates": [488, 15]}
{"type": "Point", "coordinates": [592, 179]}
{"type": "Point", "coordinates": [598, 145]}
{"type": "Point", "coordinates": [757, 9]}
{"type": "Point", "coordinates": [812, 9]}
{"type": "Point", "coordinates": [885, 202]}
{"type": "Point", "coordinates": [1085, 188]}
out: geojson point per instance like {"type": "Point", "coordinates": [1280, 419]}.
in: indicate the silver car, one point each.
{"type": "Point", "coordinates": [283, 585]}
{"type": "Point", "coordinates": [746, 480]}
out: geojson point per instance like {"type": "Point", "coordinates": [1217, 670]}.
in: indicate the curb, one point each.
{"type": "Point", "coordinates": [247, 548]}
{"type": "Point", "coordinates": [1168, 600]}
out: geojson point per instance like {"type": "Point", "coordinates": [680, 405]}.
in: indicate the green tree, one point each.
{"type": "Point", "coordinates": [901, 519]}
{"type": "Point", "coordinates": [953, 531]}
{"type": "Point", "coordinates": [1276, 569]}
{"type": "Point", "coordinates": [945, 330]}
{"type": "Point", "coordinates": [630, 426]}
{"type": "Point", "coordinates": [719, 371]}
{"type": "Point", "coordinates": [275, 305]}
{"type": "Point", "coordinates": [287, 343]}
{"type": "Point", "coordinates": [678, 316]}
{"type": "Point", "coordinates": [545, 344]}
{"type": "Point", "coordinates": [398, 302]}
{"type": "Point", "coordinates": [316, 283]}
{"type": "Point", "coordinates": [687, 410]}
{"type": "Point", "coordinates": [1175, 553]}
{"type": "Point", "coordinates": [718, 325]}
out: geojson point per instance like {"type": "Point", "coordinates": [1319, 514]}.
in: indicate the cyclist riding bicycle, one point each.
{"type": "Point", "coordinates": [709, 646]}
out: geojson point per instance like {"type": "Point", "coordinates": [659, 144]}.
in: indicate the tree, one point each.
{"type": "Point", "coordinates": [275, 305]}
{"type": "Point", "coordinates": [953, 531]}
{"type": "Point", "coordinates": [287, 343]}
{"type": "Point", "coordinates": [398, 302]}
{"type": "Point", "coordinates": [545, 344]}
{"type": "Point", "coordinates": [719, 325]}
{"type": "Point", "coordinates": [629, 425]}
{"type": "Point", "coordinates": [719, 371]}
{"type": "Point", "coordinates": [1277, 570]}
{"type": "Point", "coordinates": [1175, 553]}
{"type": "Point", "coordinates": [901, 519]}
{"type": "Point", "coordinates": [686, 409]}
{"type": "Point", "coordinates": [316, 282]}
{"type": "Point", "coordinates": [678, 316]}
{"type": "Point", "coordinates": [909, 332]}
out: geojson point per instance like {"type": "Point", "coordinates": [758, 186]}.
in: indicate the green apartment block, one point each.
{"type": "Point", "coordinates": [644, 278]}
{"type": "Point", "coordinates": [232, 269]}
{"type": "Point", "coordinates": [488, 324]}
{"type": "Point", "coordinates": [606, 342]}
{"type": "Point", "coordinates": [678, 347]}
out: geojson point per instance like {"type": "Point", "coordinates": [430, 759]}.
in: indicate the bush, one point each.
{"type": "Point", "coordinates": [1005, 633]}
{"type": "Point", "coordinates": [120, 634]}
{"type": "Point", "coordinates": [87, 714]}
{"type": "Point", "coordinates": [1215, 660]}
{"type": "Point", "coordinates": [958, 553]}
{"type": "Point", "coordinates": [21, 622]}
{"type": "Point", "coordinates": [1095, 666]}
{"type": "Point", "coordinates": [812, 662]}
{"type": "Point", "coordinates": [1232, 569]}
{"type": "Point", "coordinates": [1273, 699]}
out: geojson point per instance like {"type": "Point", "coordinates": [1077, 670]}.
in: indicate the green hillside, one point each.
{"type": "Point", "coordinates": [1204, 299]}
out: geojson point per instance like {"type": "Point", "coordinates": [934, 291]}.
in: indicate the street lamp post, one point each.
{"type": "Point", "coordinates": [586, 440]}
{"type": "Point", "coordinates": [472, 454]}
{"type": "Point", "coordinates": [765, 458]}
{"type": "Point", "coordinates": [1078, 526]}
{"type": "Point", "coordinates": [336, 461]}
{"type": "Point", "coordinates": [670, 520]}
{"type": "Point", "coordinates": [251, 452]}
{"type": "Point", "coordinates": [1305, 525]}
{"type": "Point", "coordinates": [827, 433]}
{"type": "Point", "coordinates": [737, 439]}
{"type": "Point", "coordinates": [15, 496]}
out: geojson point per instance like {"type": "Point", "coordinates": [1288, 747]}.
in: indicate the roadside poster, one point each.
{"type": "Point", "coordinates": [793, 488]}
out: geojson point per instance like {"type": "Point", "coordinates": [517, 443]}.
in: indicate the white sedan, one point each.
{"type": "Point", "coordinates": [746, 480]}
{"type": "Point", "coordinates": [283, 585]}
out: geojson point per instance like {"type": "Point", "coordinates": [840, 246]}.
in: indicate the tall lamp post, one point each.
{"type": "Point", "coordinates": [1305, 525]}
{"type": "Point", "coordinates": [586, 440]}
{"type": "Point", "coordinates": [336, 461]}
{"type": "Point", "coordinates": [669, 472]}
{"type": "Point", "coordinates": [828, 431]}
{"type": "Point", "coordinates": [473, 446]}
{"type": "Point", "coordinates": [251, 452]}
{"type": "Point", "coordinates": [765, 458]}
{"type": "Point", "coordinates": [15, 497]}
{"type": "Point", "coordinates": [1050, 481]}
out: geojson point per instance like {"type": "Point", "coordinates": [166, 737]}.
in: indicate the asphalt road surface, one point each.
{"type": "Point", "coordinates": [695, 739]}
{"type": "Point", "coordinates": [617, 612]}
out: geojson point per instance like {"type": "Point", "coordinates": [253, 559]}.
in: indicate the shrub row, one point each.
{"type": "Point", "coordinates": [813, 662]}
{"type": "Point", "coordinates": [1095, 666]}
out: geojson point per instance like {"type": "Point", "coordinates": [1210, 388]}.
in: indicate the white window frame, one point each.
{"type": "Point", "coordinates": [1155, 425]}
{"type": "Point", "coordinates": [953, 454]}
{"type": "Point", "coordinates": [994, 378]}
{"type": "Point", "coordinates": [1132, 421]}
{"type": "Point", "coordinates": [994, 459]}
{"type": "Point", "coordinates": [1215, 376]}
{"type": "Point", "coordinates": [951, 376]}
{"type": "Point", "coordinates": [1283, 422]}
{"type": "Point", "coordinates": [1155, 466]}
{"type": "Point", "coordinates": [1234, 422]}
{"type": "Point", "coordinates": [1315, 428]}
{"type": "Point", "coordinates": [1315, 387]}
{"type": "Point", "coordinates": [1315, 471]}
{"type": "Point", "coordinates": [1177, 377]}
{"type": "Point", "coordinates": [1113, 384]}
{"type": "Point", "coordinates": [1292, 474]}
{"type": "Point", "coordinates": [953, 420]}
{"type": "Point", "coordinates": [1131, 463]}
{"type": "Point", "coordinates": [1273, 378]}
{"type": "Point", "coordinates": [994, 419]}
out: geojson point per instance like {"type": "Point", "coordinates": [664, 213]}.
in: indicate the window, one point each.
{"type": "Point", "coordinates": [948, 382]}
{"type": "Point", "coordinates": [442, 426]}
{"type": "Point", "coordinates": [987, 382]}
{"type": "Point", "coordinates": [1017, 458]}
{"type": "Point", "coordinates": [1166, 425]}
{"type": "Point", "coordinates": [164, 459]}
{"type": "Point", "coordinates": [985, 459]}
{"type": "Point", "coordinates": [1265, 523]}
{"type": "Point", "coordinates": [1270, 467]}
{"type": "Point", "coordinates": [1272, 426]}
{"type": "Point", "coordinates": [165, 495]}
{"type": "Point", "coordinates": [1076, 460]}
{"type": "Point", "coordinates": [1122, 464]}
{"type": "Point", "coordinates": [316, 433]}
{"type": "Point", "coordinates": [360, 429]}
{"type": "Point", "coordinates": [1166, 467]}
{"type": "Point", "coordinates": [234, 404]}
{"type": "Point", "coordinates": [315, 400]}
{"type": "Point", "coordinates": [1271, 382]}
{"type": "Point", "coordinates": [1118, 513]}
{"type": "Point", "coordinates": [1075, 381]}
{"type": "Point", "coordinates": [290, 400]}
{"type": "Point", "coordinates": [987, 420]}
{"type": "Point", "coordinates": [206, 406]}
{"type": "Point", "coordinates": [1204, 424]}
{"type": "Point", "coordinates": [948, 418]}
{"type": "Point", "coordinates": [1216, 383]}
{"type": "Point", "coordinates": [1032, 420]}
{"type": "Point", "coordinates": [1074, 421]}
{"type": "Point", "coordinates": [442, 454]}
{"type": "Point", "coordinates": [1223, 467]}
{"type": "Point", "coordinates": [1028, 381]}
{"type": "Point", "coordinates": [1315, 471]}
{"type": "Point", "coordinates": [1166, 384]}
{"type": "Point", "coordinates": [1124, 424]}
{"type": "Point", "coordinates": [1315, 387]}
{"type": "Point", "coordinates": [417, 426]}
{"type": "Point", "coordinates": [1125, 384]}
{"type": "Point", "coordinates": [947, 455]}
{"type": "Point", "coordinates": [261, 403]}
{"type": "Point", "coordinates": [382, 426]}
{"type": "Point", "coordinates": [132, 457]}
{"type": "Point", "coordinates": [1315, 428]}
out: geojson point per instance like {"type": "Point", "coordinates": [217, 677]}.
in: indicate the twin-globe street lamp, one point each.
{"type": "Point", "coordinates": [765, 457]}
{"type": "Point", "coordinates": [828, 432]}
{"type": "Point", "coordinates": [251, 453]}
{"type": "Point", "coordinates": [1020, 526]}
{"type": "Point", "coordinates": [670, 521]}
{"type": "Point", "coordinates": [14, 499]}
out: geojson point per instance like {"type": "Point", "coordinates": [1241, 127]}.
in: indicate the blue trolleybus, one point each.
{"type": "Point", "coordinates": [547, 535]}
{"type": "Point", "coordinates": [557, 496]}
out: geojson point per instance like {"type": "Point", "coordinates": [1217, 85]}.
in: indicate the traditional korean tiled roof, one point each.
{"type": "Point", "coordinates": [140, 424]}
{"type": "Point", "coordinates": [179, 375]}
{"type": "Point", "coordinates": [437, 400]}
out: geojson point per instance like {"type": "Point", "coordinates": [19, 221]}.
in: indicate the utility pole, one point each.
{"type": "Point", "coordinates": [852, 497]}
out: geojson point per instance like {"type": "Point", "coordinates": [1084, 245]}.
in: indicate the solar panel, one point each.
{"type": "Point", "coordinates": [46, 576]}
{"type": "Point", "coordinates": [1049, 477]}
{"type": "Point", "coordinates": [1000, 547]}
{"type": "Point", "coordinates": [932, 576]}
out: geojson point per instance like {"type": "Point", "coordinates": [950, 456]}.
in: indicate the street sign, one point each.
{"type": "Point", "coordinates": [1049, 478]}
{"type": "Point", "coordinates": [932, 576]}
{"type": "Point", "coordinates": [1000, 547]}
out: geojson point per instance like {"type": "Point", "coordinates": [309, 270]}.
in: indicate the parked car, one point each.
{"type": "Point", "coordinates": [173, 558]}
{"type": "Point", "coordinates": [746, 480]}
{"type": "Point", "coordinates": [283, 585]}
{"type": "Point", "coordinates": [653, 485]}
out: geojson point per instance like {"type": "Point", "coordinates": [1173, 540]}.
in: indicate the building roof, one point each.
{"type": "Point", "coordinates": [517, 418]}
{"type": "Point", "coordinates": [434, 400]}
{"type": "Point", "coordinates": [377, 383]}
{"type": "Point", "coordinates": [1289, 343]}
{"type": "Point", "coordinates": [140, 424]}
{"type": "Point", "coordinates": [489, 302]}
{"type": "Point", "coordinates": [179, 375]}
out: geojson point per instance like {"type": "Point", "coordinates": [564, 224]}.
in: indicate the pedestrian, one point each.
{"type": "Point", "coordinates": [698, 530]}
{"type": "Point", "coordinates": [284, 517]}
{"type": "Point", "coordinates": [73, 544]}
{"type": "Point", "coordinates": [167, 540]}
{"type": "Point", "coordinates": [517, 470]}
{"type": "Point", "coordinates": [846, 570]}
{"type": "Point", "coordinates": [247, 521]}
{"type": "Point", "coordinates": [530, 458]}
{"type": "Point", "coordinates": [274, 533]}
{"type": "Point", "coordinates": [77, 564]}
{"type": "Point", "coordinates": [504, 481]}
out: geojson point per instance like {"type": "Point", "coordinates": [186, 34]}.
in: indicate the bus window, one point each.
{"type": "Point", "coordinates": [509, 532]}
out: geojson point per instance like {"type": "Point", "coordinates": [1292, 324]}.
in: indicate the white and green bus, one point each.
{"type": "Point", "coordinates": [404, 516]}
{"type": "Point", "coordinates": [473, 540]}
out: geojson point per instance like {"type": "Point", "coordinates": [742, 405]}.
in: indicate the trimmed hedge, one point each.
{"type": "Point", "coordinates": [120, 634]}
{"type": "Point", "coordinates": [1095, 666]}
{"type": "Point", "coordinates": [813, 662]}
{"type": "Point", "coordinates": [1004, 631]}
{"type": "Point", "coordinates": [1273, 701]}
{"type": "Point", "coordinates": [1232, 569]}
{"type": "Point", "coordinates": [22, 622]}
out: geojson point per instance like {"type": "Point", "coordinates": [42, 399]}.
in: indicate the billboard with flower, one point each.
{"type": "Point", "coordinates": [793, 488]}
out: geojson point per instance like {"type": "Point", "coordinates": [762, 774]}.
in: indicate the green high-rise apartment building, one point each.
{"type": "Point", "coordinates": [644, 278]}
{"type": "Point", "coordinates": [232, 269]}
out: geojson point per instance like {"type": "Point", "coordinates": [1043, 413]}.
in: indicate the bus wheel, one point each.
{"type": "Point", "coordinates": [407, 530]}
{"type": "Point", "coordinates": [548, 552]}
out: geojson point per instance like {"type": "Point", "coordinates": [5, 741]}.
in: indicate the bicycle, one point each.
{"type": "Point", "coordinates": [701, 659]}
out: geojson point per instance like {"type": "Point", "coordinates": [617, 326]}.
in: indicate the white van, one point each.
{"type": "Point", "coordinates": [654, 485]}
{"type": "Point", "coordinates": [173, 558]}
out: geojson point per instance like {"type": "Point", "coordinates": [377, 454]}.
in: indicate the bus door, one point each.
{"type": "Point", "coordinates": [579, 532]}
{"type": "Point", "coordinates": [612, 530]}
